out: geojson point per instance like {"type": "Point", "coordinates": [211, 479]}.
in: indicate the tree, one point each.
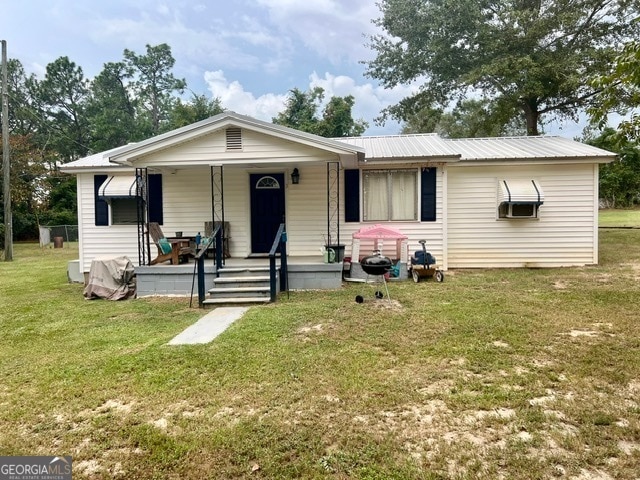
{"type": "Point", "coordinates": [23, 119]}
{"type": "Point", "coordinates": [469, 119]}
{"type": "Point", "coordinates": [337, 120]}
{"type": "Point", "coordinates": [63, 97]}
{"type": "Point", "coordinates": [620, 179]}
{"type": "Point", "coordinates": [302, 111]}
{"type": "Point", "coordinates": [28, 189]}
{"type": "Point", "coordinates": [534, 56]}
{"type": "Point", "coordinates": [198, 108]}
{"type": "Point", "coordinates": [154, 84]}
{"type": "Point", "coordinates": [111, 109]}
{"type": "Point", "coordinates": [620, 92]}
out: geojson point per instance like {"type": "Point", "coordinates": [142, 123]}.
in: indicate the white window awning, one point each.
{"type": "Point", "coordinates": [118, 187]}
{"type": "Point", "coordinates": [520, 191]}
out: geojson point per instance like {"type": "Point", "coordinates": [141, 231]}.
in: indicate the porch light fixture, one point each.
{"type": "Point", "coordinates": [295, 176]}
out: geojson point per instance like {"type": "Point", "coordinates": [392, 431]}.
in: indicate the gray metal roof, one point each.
{"type": "Point", "coordinates": [396, 147]}
{"type": "Point", "coordinates": [415, 147]}
{"type": "Point", "coordinates": [508, 148]}
{"type": "Point", "coordinates": [432, 146]}
{"type": "Point", "coordinates": [97, 160]}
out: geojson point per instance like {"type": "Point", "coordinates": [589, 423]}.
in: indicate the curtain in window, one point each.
{"type": "Point", "coordinates": [403, 191]}
{"type": "Point", "coordinates": [376, 193]}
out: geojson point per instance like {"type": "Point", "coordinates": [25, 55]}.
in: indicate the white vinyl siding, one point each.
{"type": "Point", "coordinates": [256, 147]}
{"type": "Point", "coordinates": [432, 232]}
{"type": "Point", "coordinates": [100, 241]}
{"type": "Point", "coordinates": [562, 235]}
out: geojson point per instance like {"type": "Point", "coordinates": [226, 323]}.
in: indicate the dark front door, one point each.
{"type": "Point", "coordinates": [267, 209]}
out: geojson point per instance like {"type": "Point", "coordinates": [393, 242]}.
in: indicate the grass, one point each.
{"type": "Point", "coordinates": [620, 217]}
{"type": "Point", "coordinates": [488, 375]}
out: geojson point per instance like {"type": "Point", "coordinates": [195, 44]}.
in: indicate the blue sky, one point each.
{"type": "Point", "coordinates": [249, 53]}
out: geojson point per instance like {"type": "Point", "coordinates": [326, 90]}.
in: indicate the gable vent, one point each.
{"type": "Point", "coordinates": [234, 138]}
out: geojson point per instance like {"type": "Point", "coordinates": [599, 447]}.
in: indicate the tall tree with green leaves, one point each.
{"type": "Point", "coordinates": [199, 107]}
{"type": "Point", "coordinates": [154, 85]}
{"type": "Point", "coordinates": [63, 97]}
{"type": "Point", "coordinates": [470, 118]}
{"type": "Point", "coordinates": [620, 93]}
{"type": "Point", "coordinates": [620, 179]}
{"type": "Point", "coordinates": [24, 117]}
{"type": "Point", "coordinates": [111, 110]}
{"type": "Point", "coordinates": [535, 56]}
{"type": "Point", "coordinates": [303, 111]}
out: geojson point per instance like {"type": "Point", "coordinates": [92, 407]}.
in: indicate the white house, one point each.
{"type": "Point", "coordinates": [493, 202]}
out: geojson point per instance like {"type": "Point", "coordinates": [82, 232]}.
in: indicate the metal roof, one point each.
{"type": "Point", "coordinates": [423, 147]}
{"type": "Point", "coordinates": [97, 160]}
{"type": "Point", "coordinates": [514, 148]}
{"type": "Point", "coordinates": [396, 147]}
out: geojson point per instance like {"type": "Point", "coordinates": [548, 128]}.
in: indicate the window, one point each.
{"type": "Point", "coordinates": [267, 183]}
{"type": "Point", "coordinates": [517, 210]}
{"type": "Point", "coordinates": [117, 193]}
{"type": "Point", "coordinates": [519, 198]}
{"type": "Point", "coordinates": [390, 195]}
{"type": "Point", "coordinates": [124, 211]}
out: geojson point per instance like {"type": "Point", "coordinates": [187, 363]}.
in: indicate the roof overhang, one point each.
{"type": "Point", "coordinates": [131, 155]}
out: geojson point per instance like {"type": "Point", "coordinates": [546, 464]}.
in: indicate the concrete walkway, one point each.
{"type": "Point", "coordinates": [209, 327]}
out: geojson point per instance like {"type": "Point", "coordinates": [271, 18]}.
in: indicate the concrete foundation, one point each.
{"type": "Point", "coordinates": [177, 279]}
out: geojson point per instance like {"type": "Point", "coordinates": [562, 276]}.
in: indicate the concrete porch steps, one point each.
{"type": "Point", "coordinates": [237, 301]}
{"type": "Point", "coordinates": [241, 285]}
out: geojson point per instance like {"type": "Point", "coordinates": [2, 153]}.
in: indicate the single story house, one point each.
{"type": "Point", "coordinates": [490, 202]}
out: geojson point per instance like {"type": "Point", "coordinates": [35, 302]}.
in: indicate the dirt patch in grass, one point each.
{"type": "Point", "coordinates": [487, 375]}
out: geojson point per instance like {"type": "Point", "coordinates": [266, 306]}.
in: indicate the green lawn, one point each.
{"type": "Point", "coordinates": [509, 373]}
{"type": "Point", "coordinates": [620, 218]}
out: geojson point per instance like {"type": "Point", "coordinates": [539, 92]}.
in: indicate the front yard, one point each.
{"type": "Point", "coordinates": [491, 374]}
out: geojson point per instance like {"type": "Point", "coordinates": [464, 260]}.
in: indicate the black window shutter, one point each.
{"type": "Point", "coordinates": [101, 207]}
{"type": "Point", "coordinates": [155, 198]}
{"type": "Point", "coordinates": [352, 195]}
{"type": "Point", "coordinates": [428, 195]}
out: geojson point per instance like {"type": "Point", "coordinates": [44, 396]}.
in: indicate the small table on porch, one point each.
{"type": "Point", "coordinates": [181, 244]}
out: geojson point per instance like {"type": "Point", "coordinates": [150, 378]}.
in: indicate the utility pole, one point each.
{"type": "Point", "coordinates": [6, 165]}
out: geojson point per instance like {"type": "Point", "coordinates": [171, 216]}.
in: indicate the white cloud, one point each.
{"type": "Point", "coordinates": [369, 99]}
{"type": "Point", "coordinates": [334, 29]}
{"type": "Point", "coordinates": [234, 97]}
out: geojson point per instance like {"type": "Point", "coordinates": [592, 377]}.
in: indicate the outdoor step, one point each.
{"type": "Point", "coordinates": [242, 282]}
{"type": "Point", "coordinates": [239, 292]}
{"type": "Point", "coordinates": [242, 300]}
{"type": "Point", "coordinates": [243, 271]}
{"type": "Point", "coordinates": [258, 281]}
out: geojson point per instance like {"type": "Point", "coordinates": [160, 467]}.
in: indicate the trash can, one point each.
{"type": "Point", "coordinates": [339, 250]}
{"type": "Point", "coordinates": [58, 242]}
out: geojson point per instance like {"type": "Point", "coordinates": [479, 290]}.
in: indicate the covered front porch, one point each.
{"type": "Point", "coordinates": [266, 188]}
{"type": "Point", "coordinates": [303, 273]}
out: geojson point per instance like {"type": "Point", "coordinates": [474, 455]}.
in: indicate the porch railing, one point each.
{"type": "Point", "coordinates": [201, 250]}
{"type": "Point", "coordinates": [279, 246]}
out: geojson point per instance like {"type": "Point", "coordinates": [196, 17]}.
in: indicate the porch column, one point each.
{"type": "Point", "coordinates": [217, 201]}
{"type": "Point", "coordinates": [142, 204]}
{"type": "Point", "coordinates": [333, 208]}
{"type": "Point", "coordinates": [333, 203]}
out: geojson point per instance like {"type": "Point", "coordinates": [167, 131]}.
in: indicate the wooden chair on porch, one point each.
{"type": "Point", "coordinates": [173, 250]}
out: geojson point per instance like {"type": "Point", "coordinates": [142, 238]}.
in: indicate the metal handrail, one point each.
{"type": "Point", "coordinates": [201, 249]}
{"type": "Point", "coordinates": [279, 243]}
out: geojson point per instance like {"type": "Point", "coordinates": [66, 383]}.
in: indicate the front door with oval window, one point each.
{"type": "Point", "coordinates": [267, 209]}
